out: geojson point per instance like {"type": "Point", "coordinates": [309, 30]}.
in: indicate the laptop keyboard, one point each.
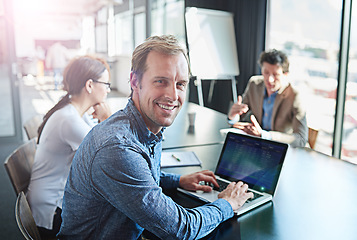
{"type": "Point", "coordinates": [255, 196]}
{"type": "Point", "coordinates": [223, 185]}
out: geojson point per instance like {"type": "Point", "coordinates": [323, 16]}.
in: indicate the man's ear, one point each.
{"type": "Point", "coordinates": [134, 81]}
{"type": "Point", "coordinates": [89, 86]}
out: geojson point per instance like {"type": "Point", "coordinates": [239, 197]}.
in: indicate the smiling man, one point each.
{"type": "Point", "coordinates": [157, 97]}
{"type": "Point", "coordinates": [271, 107]}
{"type": "Point", "coordinates": [114, 189]}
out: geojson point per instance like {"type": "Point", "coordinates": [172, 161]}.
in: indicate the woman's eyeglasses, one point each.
{"type": "Point", "coordinates": [106, 83]}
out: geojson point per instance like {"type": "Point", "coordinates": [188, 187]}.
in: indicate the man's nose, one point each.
{"type": "Point", "coordinates": [271, 78]}
{"type": "Point", "coordinates": [172, 92]}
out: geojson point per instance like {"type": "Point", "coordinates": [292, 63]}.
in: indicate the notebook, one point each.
{"type": "Point", "coordinates": [179, 159]}
{"type": "Point", "coordinates": [255, 161]}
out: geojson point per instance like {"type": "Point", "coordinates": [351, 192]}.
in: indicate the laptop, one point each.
{"type": "Point", "coordinates": [255, 161]}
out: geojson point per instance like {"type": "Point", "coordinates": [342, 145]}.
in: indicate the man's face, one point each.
{"type": "Point", "coordinates": [162, 90]}
{"type": "Point", "coordinates": [273, 77]}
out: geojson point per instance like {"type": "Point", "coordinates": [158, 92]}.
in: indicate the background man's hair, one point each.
{"type": "Point", "coordinates": [275, 57]}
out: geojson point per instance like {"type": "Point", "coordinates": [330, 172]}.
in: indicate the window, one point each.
{"type": "Point", "coordinates": [167, 17]}
{"type": "Point", "coordinates": [309, 33]}
{"type": "Point", "coordinates": [7, 127]}
{"type": "Point", "coordinates": [101, 31]}
{"type": "Point", "coordinates": [124, 33]}
{"type": "Point", "coordinates": [349, 137]}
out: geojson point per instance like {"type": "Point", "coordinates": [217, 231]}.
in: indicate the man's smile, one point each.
{"type": "Point", "coordinates": [166, 107]}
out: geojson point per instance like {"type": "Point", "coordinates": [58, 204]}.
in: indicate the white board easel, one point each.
{"type": "Point", "coordinates": [212, 47]}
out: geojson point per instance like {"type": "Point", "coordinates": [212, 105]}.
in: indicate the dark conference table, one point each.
{"type": "Point", "coordinates": [316, 197]}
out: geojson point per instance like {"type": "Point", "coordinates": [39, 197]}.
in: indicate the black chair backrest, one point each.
{"type": "Point", "coordinates": [24, 218]}
{"type": "Point", "coordinates": [19, 165]}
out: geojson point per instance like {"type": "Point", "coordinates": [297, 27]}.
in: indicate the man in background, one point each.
{"type": "Point", "coordinates": [270, 107]}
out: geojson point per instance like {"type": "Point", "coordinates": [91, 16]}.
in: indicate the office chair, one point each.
{"type": "Point", "coordinates": [24, 218]}
{"type": "Point", "coordinates": [31, 126]}
{"type": "Point", "coordinates": [19, 165]}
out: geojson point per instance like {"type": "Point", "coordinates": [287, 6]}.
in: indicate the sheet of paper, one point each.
{"type": "Point", "coordinates": [179, 159]}
{"type": "Point", "coordinates": [224, 131]}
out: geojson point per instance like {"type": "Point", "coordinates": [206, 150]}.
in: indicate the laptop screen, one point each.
{"type": "Point", "coordinates": [255, 161]}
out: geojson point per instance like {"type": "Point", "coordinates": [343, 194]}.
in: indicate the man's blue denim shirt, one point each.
{"type": "Point", "coordinates": [114, 188]}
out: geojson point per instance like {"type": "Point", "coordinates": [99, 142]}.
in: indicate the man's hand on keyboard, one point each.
{"type": "Point", "coordinates": [192, 181]}
{"type": "Point", "coordinates": [236, 194]}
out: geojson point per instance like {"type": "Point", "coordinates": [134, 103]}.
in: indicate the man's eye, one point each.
{"type": "Point", "coordinates": [181, 85]}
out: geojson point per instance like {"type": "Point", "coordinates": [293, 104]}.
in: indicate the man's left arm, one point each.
{"type": "Point", "coordinates": [169, 180]}
{"type": "Point", "coordinates": [299, 125]}
{"type": "Point", "coordinates": [136, 194]}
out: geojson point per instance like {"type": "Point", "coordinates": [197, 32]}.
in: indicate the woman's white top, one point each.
{"type": "Point", "coordinates": [63, 133]}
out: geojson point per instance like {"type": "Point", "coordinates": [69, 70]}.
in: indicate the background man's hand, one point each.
{"type": "Point", "coordinates": [238, 108]}
{"type": "Point", "coordinates": [250, 128]}
{"type": "Point", "coordinates": [192, 181]}
{"type": "Point", "coordinates": [236, 194]}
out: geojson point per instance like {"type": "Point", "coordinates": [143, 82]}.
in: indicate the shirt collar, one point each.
{"type": "Point", "coordinates": [284, 84]}
{"type": "Point", "coordinates": [272, 95]}
{"type": "Point", "coordinates": [143, 132]}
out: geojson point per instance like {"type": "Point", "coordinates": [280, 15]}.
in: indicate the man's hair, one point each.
{"type": "Point", "coordinates": [275, 57]}
{"type": "Point", "coordinates": [165, 44]}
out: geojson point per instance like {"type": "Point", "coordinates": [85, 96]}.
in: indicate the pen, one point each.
{"type": "Point", "coordinates": [176, 158]}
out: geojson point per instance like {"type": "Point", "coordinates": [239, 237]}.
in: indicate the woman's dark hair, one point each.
{"type": "Point", "coordinates": [275, 57]}
{"type": "Point", "coordinates": [78, 71]}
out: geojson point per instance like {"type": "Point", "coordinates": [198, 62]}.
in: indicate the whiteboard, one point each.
{"type": "Point", "coordinates": [211, 43]}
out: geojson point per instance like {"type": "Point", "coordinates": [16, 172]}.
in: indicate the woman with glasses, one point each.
{"type": "Point", "coordinates": [86, 80]}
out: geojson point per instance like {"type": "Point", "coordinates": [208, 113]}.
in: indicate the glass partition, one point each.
{"type": "Point", "coordinates": [7, 122]}
{"type": "Point", "coordinates": [167, 17]}
{"type": "Point", "coordinates": [309, 33]}
{"type": "Point", "coordinates": [349, 137]}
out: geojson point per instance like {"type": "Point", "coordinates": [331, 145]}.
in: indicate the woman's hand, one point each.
{"type": "Point", "coordinates": [101, 111]}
